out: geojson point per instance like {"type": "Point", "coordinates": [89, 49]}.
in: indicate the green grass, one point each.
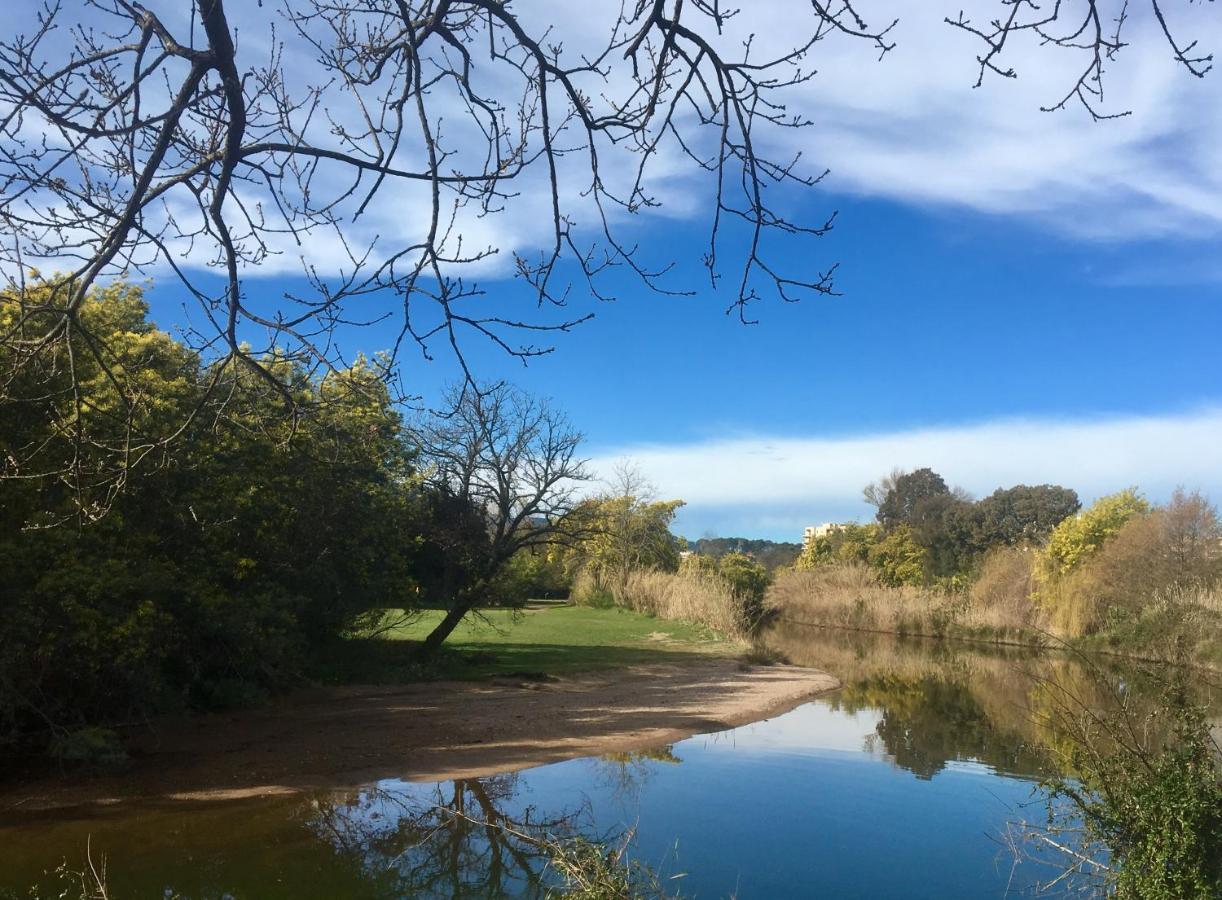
{"type": "Point", "coordinates": [551, 641]}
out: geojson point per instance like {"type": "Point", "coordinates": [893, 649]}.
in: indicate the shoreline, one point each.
{"type": "Point", "coordinates": [1067, 646]}
{"type": "Point", "coordinates": [430, 731]}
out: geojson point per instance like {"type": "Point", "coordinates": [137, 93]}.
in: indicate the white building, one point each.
{"type": "Point", "coordinates": [811, 532]}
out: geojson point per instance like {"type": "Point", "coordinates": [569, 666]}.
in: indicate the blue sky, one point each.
{"type": "Point", "coordinates": [992, 342]}
{"type": "Point", "coordinates": [1027, 296]}
{"type": "Point", "coordinates": [949, 318]}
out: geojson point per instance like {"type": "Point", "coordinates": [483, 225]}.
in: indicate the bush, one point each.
{"type": "Point", "coordinates": [749, 581]}
{"type": "Point", "coordinates": [229, 553]}
{"type": "Point", "coordinates": [1150, 792]}
{"type": "Point", "coordinates": [1073, 541]}
{"type": "Point", "coordinates": [88, 746]}
{"type": "Point", "coordinates": [1149, 555]}
{"type": "Point", "coordinates": [898, 558]}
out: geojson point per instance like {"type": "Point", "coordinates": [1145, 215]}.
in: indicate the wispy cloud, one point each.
{"type": "Point", "coordinates": [773, 486]}
{"type": "Point", "coordinates": [908, 128]}
{"type": "Point", "coordinates": [911, 128]}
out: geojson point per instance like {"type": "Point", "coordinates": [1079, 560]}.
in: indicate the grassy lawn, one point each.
{"type": "Point", "coordinates": [544, 641]}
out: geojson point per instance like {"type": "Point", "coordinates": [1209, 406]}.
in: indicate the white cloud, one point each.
{"type": "Point", "coordinates": [773, 486]}
{"type": "Point", "coordinates": [911, 128]}
{"type": "Point", "coordinates": [907, 128]}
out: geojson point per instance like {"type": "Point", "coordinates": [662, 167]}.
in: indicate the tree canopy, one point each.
{"type": "Point", "coordinates": [251, 540]}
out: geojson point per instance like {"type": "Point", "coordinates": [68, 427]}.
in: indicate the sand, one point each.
{"type": "Point", "coordinates": [344, 737]}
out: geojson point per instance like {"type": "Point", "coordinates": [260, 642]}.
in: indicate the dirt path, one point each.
{"type": "Point", "coordinates": [431, 732]}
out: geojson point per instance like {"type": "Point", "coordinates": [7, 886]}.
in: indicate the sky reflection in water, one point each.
{"type": "Point", "coordinates": [899, 785]}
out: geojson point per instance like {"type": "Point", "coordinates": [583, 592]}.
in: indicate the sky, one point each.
{"type": "Point", "coordinates": [1025, 296]}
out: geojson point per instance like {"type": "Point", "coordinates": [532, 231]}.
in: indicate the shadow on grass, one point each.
{"type": "Point", "coordinates": [376, 661]}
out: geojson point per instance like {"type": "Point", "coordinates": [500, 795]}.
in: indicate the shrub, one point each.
{"type": "Point", "coordinates": [898, 558]}
{"type": "Point", "coordinates": [89, 746]}
{"type": "Point", "coordinates": [1150, 792]}
{"type": "Point", "coordinates": [749, 581]}
{"type": "Point", "coordinates": [1075, 539]}
{"type": "Point", "coordinates": [1151, 554]}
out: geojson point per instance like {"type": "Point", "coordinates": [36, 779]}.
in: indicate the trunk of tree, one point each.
{"type": "Point", "coordinates": [444, 628]}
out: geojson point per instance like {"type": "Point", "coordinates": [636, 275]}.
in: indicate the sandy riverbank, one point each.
{"type": "Point", "coordinates": [430, 732]}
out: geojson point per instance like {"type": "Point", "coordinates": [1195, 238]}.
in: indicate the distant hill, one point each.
{"type": "Point", "coordinates": [770, 554]}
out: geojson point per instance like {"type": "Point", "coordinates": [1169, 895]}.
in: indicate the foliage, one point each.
{"type": "Point", "coordinates": [1074, 540]}
{"type": "Point", "coordinates": [943, 526]}
{"type": "Point", "coordinates": [1150, 557]}
{"type": "Point", "coordinates": [902, 502]}
{"type": "Point", "coordinates": [536, 573]}
{"type": "Point", "coordinates": [772, 555]}
{"type": "Point", "coordinates": [847, 543]}
{"type": "Point", "coordinates": [898, 558]}
{"type": "Point", "coordinates": [248, 541]}
{"type": "Point", "coordinates": [1154, 802]}
{"type": "Point", "coordinates": [1021, 515]}
{"type": "Point", "coordinates": [624, 533]}
{"type": "Point", "coordinates": [955, 532]}
{"type": "Point", "coordinates": [749, 581]}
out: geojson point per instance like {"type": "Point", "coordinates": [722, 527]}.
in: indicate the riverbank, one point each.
{"type": "Point", "coordinates": [1040, 642]}
{"type": "Point", "coordinates": [347, 736]}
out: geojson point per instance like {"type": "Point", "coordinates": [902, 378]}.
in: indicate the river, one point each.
{"type": "Point", "coordinates": [904, 783]}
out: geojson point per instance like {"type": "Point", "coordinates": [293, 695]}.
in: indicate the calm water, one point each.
{"type": "Point", "coordinates": [900, 785]}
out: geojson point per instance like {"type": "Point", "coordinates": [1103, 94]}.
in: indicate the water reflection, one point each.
{"type": "Point", "coordinates": [914, 767]}
{"type": "Point", "coordinates": [458, 839]}
{"type": "Point", "coordinates": [941, 702]}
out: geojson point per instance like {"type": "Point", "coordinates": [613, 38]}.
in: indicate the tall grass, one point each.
{"type": "Point", "coordinates": [1156, 623]}
{"type": "Point", "coordinates": [849, 595]}
{"type": "Point", "coordinates": [701, 598]}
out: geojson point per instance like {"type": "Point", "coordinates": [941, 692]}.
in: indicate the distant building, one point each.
{"type": "Point", "coordinates": [811, 532]}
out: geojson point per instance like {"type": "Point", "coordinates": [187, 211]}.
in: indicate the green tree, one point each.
{"type": "Point", "coordinates": [942, 525]}
{"type": "Point", "coordinates": [749, 581]}
{"type": "Point", "coordinates": [905, 496]}
{"type": "Point", "coordinates": [626, 530]}
{"type": "Point", "coordinates": [898, 558]}
{"type": "Point", "coordinates": [1021, 515]}
{"type": "Point", "coordinates": [245, 543]}
{"type": "Point", "coordinates": [847, 542]}
{"type": "Point", "coordinates": [1075, 539]}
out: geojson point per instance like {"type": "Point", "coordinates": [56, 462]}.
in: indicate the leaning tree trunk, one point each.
{"type": "Point", "coordinates": [445, 627]}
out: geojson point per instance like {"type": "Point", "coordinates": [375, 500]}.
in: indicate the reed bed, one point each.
{"type": "Point", "coordinates": [851, 596]}
{"type": "Point", "coordinates": [697, 597]}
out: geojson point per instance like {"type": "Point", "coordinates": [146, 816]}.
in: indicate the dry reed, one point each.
{"type": "Point", "coordinates": [700, 598]}
{"type": "Point", "coordinates": [851, 596]}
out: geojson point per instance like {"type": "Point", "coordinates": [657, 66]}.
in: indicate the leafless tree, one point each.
{"type": "Point", "coordinates": [1093, 30]}
{"type": "Point", "coordinates": [212, 143]}
{"type": "Point", "coordinates": [632, 527]}
{"type": "Point", "coordinates": [875, 493]}
{"type": "Point", "coordinates": [505, 473]}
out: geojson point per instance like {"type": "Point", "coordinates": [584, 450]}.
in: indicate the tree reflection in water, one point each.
{"type": "Point", "coordinates": [457, 839]}
{"type": "Point", "coordinates": [466, 838]}
{"type": "Point", "coordinates": [944, 702]}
